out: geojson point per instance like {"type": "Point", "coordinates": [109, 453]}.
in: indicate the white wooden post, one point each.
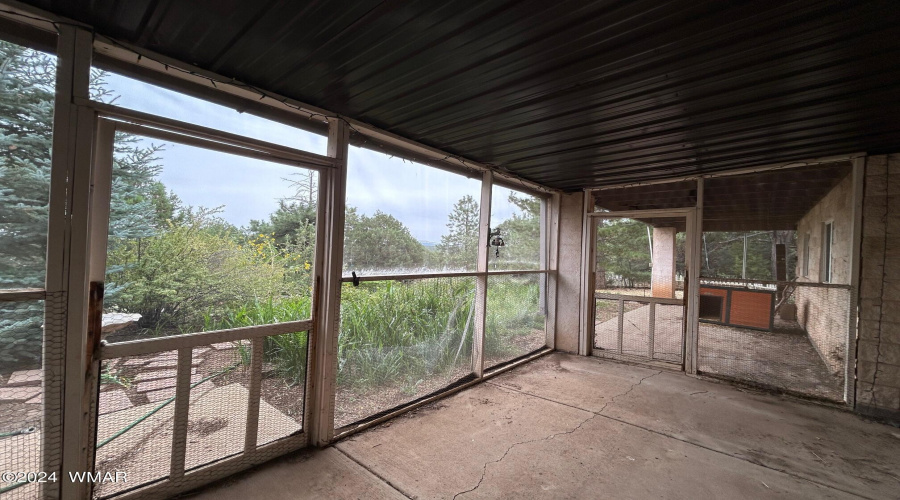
{"type": "Point", "coordinates": [859, 173]}
{"type": "Point", "coordinates": [329, 263]}
{"type": "Point", "coordinates": [68, 245]}
{"type": "Point", "coordinates": [586, 301]}
{"type": "Point", "coordinates": [692, 287]}
{"type": "Point", "coordinates": [552, 263]}
{"type": "Point", "coordinates": [481, 281]}
{"type": "Point", "coordinates": [101, 197]}
{"type": "Point", "coordinates": [651, 322]}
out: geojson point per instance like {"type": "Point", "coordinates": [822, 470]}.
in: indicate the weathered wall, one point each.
{"type": "Point", "coordinates": [823, 312]}
{"type": "Point", "coordinates": [568, 307]}
{"type": "Point", "coordinates": [836, 206]}
{"type": "Point", "coordinates": [878, 352]}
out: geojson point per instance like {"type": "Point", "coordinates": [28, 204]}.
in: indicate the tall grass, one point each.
{"type": "Point", "coordinates": [400, 332]}
{"type": "Point", "coordinates": [514, 315]}
{"type": "Point", "coordinates": [404, 331]}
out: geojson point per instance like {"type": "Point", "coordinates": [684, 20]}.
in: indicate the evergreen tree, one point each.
{"type": "Point", "coordinates": [139, 205]}
{"type": "Point", "coordinates": [379, 242]}
{"type": "Point", "coordinates": [27, 84]}
{"type": "Point", "coordinates": [623, 252]}
{"type": "Point", "coordinates": [522, 235]}
{"type": "Point", "coordinates": [458, 248]}
{"type": "Point", "coordinates": [26, 119]}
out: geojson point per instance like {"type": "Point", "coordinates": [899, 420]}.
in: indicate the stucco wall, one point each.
{"type": "Point", "coordinates": [878, 352]}
{"type": "Point", "coordinates": [662, 277]}
{"type": "Point", "coordinates": [823, 312]}
{"type": "Point", "coordinates": [568, 312]}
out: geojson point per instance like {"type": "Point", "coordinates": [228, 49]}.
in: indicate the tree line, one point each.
{"type": "Point", "coordinates": [185, 268]}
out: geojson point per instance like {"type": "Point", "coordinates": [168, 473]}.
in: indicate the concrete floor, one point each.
{"type": "Point", "coordinates": [573, 427]}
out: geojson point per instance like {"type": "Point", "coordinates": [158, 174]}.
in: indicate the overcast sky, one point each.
{"type": "Point", "coordinates": [421, 197]}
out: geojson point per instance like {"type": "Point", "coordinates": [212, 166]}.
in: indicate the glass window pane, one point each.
{"type": "Point", "coordinates": [405, 217]}
{"type": "Point", "coordinates": [201, 240]}
{"type": "Point", "coordinates": [401, 340]}
{"type": "Point", "coordinates": [806, 255]}
{"type": "Point", "coordinates": [148, 98]}
{"type": "Point", "coordinates": [515, 322]}
{"type": "Point", "coordinates": [515, 230]}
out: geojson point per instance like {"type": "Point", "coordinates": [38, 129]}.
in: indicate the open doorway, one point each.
{"type": "Point", "coordinates": [639, 278]}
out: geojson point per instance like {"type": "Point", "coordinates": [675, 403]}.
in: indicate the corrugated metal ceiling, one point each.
{"type": "Point", "coordinates": [570, 94]}
{"type": "Point", "coordinates": [758, 201]}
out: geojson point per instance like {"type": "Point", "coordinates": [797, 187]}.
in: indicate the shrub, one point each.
{"type": "Point", "coordinates": [190, 276]}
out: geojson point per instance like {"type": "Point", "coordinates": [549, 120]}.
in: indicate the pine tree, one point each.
{"type": "Point", "coordinates": [459, 247]}
{"type": "Point", "coordinates": [623, 252]}
{"type": "Point", "coordinates": [27, 83]}
{"type": "Point", "coordinates": [26, 112]}
{"type": "Point", "coordinates": [522, 235]}
{"type": "Point", "coordinates": [26, 118]}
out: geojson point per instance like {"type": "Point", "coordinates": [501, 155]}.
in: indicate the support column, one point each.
{"type": "Point", "coordinates": [329, 262]}
{"type": "Point", "coordinates": [569, 274]}
{"type": "Point", "coordinates": [68, 257]}
{"type": "Point", "coordinates": [662, 278]}
{"type": "Point", "coordinates": [693, 244]}
{"type": "Point", "coordinates": [481, 282]}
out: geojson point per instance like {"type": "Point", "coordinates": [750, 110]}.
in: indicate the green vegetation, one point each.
{"type": "Point", "coordinates": [623, 252]}
{"type": "Point", "coordinates": [515, 321]}
{"type": "Point", "coordinates": [521, 233]}
{"type": "Point", "coordinates": [26, 111]}
{"type": "Point", "coordinates": [27, 85]}
{"type": "Point", "coordinates": [404, 331]}
{"type": "Point", "coordinates": [459, 247]}
{"type": "Point", "coordinates": [186, 269]}
{"type": "Point", "coordinates": [192, 275]}
{"type": "Point", "coordinates": [380, 242]}
{"type": "Point", "coordinates": [107, 376]}
{"type": "Point", "coordinates": [723, 253]}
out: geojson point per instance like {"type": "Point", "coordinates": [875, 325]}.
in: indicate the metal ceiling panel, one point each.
{"type": "Point", "coordinates": [570, 94]}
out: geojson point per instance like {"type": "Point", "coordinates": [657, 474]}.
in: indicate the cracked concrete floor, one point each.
{"type": "Point", "coordinates": [566, 426]}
